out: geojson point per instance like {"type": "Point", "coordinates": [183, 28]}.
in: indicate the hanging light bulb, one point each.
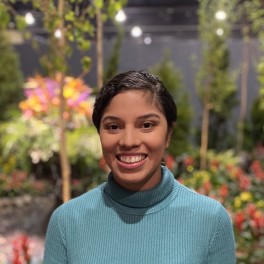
{"type": "Point", "coordinates": [147, 40]}
{"type": "Point", "coordinates": [220, 15]}
{"type": "Point", "coordinates": [58, 33]}
{"type": "Point", "coordinates": [220, 32]}
{"type": "Point", "coordinates": [120, 16]}
{"type": "Point", "coordinates": [136, 31]}
{"type": "Point", "coordinates": [29, 18]}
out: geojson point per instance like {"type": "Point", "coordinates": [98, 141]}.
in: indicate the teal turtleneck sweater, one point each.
{"type": "Point", "coordinates": [165, 225]}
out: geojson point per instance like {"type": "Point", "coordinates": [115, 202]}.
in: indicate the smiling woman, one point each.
{"type": "Point", "coordinates": [141, 214]}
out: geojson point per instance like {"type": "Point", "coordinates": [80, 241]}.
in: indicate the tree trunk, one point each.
{"type": "Point", "coordinates": [64, 161]}
{"type": "Point", "coordinates": [244, 89]}
{"type": "Point", "coordinates": [99, 48]}
{"type": "Point", "coordinates": [204, 134]}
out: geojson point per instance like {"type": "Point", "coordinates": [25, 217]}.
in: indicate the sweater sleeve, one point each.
{"type": "Point", "coordinates": [222, 245]}
{"type": "Point", "coordinates": [55, 243]}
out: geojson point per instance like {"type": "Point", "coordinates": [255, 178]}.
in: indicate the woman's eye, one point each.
{"type": "Point", "coordinates": [112, 127]}
{"type": "Point", "coordinates": [147, 125]}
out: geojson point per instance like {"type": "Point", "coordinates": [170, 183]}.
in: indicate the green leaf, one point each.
{"type": "Point", "coordinates": [84, 44]}
{"type": "Point", "coordinates": [86, 62]}
{"type": "Point", "coordinates": [4, 17]}
{"type": "Point", "coordinates": [70, 16]}
{"type": "Point", "coordinates": [99, 4]}
{"type": "Point", "coordinates": [20, 22]}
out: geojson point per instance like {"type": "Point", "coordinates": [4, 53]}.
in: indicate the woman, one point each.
{"type": "Point", "coordinates": [141, 214]}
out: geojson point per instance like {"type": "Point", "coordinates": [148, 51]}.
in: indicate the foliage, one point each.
{"type": "Point", "coordinates": [20, 183]}
{"type": "Point", "coordinates": [113, 62]}
{"type": "Point", "coordinates": [10, 77]}
{"type": "Point", "coordinates": [29, 142]}
{"type": "Point", "coordinates": [257, 117]}
{"type": "Point", "coordinates": [214, 79]}
{"type": "Point", "coordinates": [238, 183]}
{"type": "Point", "coordinates": [171, 77]}
{"type": "Point", "coordinates": [32, 138]}
{"type": "Point", "coordinates": [255, 130]}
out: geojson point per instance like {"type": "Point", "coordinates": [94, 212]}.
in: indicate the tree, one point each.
{"type": "Point", "coordinates": [171, 77]}
{"type": "Point", "coordinates": [214, 82]}
{"type": "Point", "coordinates": [11, 78]}
{"type": "Point", "coordinates": [244, 10]}
{"type": "Point", "coordinates": [219, 137]}
{"type": "Point", "coordinates": [255, 13]}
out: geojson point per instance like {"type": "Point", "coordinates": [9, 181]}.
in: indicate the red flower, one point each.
{"type": "Point", "coordinates": [180, 180]}
{"type": "Point", "coordinates": [223, 191]}
{"type": "Point", "coordinates": [251, 210]}
{"type": "Point", "coordinates": [215, 164]}
{"type": "Point", "coordinates": [188, 161]}
{"type": "Point", "coordinates": [257, 169]}
{"type": "Point", "coordinates": [244, 182]}
{"type": "Point", "coordinates": [170, 162]}
{"type": "Point", "coordinates": [25, 248]}
{"type": "Point", "coordinates": [21, 250]}
{"type": "Point", "coordinates": [75, 182]}
{"type": "Point", "coordinates": [16, 253]}
{"type": "Point", "coordinates": [239, 220]}
{"type": "Point", "coordinates": [207, 187]}
{"type": "Point", "coordinates": [102, 164]}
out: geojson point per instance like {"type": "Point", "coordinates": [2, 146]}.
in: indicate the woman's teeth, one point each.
{"type": "Point", "coordinates": [131, 159]}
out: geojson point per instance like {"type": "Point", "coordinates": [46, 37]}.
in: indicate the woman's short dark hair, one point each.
{"type": "Point", "coordinates": [135, 80]}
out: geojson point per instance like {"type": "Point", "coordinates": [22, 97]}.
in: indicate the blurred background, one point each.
{"type": "Point", "coordinates": [55, 57]}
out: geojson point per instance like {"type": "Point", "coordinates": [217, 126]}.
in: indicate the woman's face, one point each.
{"type": "Point", "coordinates": [134, 134]}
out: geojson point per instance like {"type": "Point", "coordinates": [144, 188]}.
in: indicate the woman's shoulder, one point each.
{"type": "Point", "coordinates": [198, 202]}
{"type": "Point", "coordinates": [89, 200]}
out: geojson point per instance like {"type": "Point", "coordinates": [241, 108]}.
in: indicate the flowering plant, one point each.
{"type": "Point", "coordinates": [43, 97]}
{"type": "Point", "coordinates": [19, 183]}
{"type": "Point", "coordinates": [21, 253]}
{"type": "Point", "coordinates": [33, 137]}
{"type": "Point", "coordinates": [239, 187]}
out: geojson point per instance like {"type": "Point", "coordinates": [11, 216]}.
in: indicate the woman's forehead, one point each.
{"type": "Point", "coordinates": [133, 101]}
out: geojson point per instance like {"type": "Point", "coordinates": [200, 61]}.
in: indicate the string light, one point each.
{"type": "Point", "coordinates": [58, 33]}
{"type": "Point", "coordinates": [220, 32]}
{"type": "Point", "coordinates": [147, 40]}
{"type": "Point", "coordinates": [120, 16]}
{"type": "Point", "coordinates": [136, 31]}
{"type": "Point", "coordinates": [29, 18]}
{"type": "Point", "coordinates": [220, 15]}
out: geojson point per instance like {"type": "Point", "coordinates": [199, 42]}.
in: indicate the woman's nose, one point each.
{"type": "Point", "coordinates": [129, 138]}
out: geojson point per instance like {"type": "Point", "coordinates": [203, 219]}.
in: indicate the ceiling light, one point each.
{"type": "Point", "coordinates": [220, 15]}
{"type": "Point", "coordinates": [147, 40]}
{"type": "Point", "coordinates": [136, 31]}
{"type": "Point", "coordinates": [29, 18]}
{"type": "Point", "coordinates": [120, 16]}
{"type": "Point", "coordinates": [220, 32]}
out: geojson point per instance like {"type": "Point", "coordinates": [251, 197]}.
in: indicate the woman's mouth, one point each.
{"type": "Point", "coordinates": [131, 159]}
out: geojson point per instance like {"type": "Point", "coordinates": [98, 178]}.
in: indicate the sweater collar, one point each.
{"type": "Point", "coordinates": [141, 199]}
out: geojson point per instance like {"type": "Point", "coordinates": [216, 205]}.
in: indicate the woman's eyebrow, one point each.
{"type": "Point", "coordinates": [151, 115]}
{"type": "Point", "coordinates": [115, 118]}
{"type": "Point", "coordinates": [111, 118]}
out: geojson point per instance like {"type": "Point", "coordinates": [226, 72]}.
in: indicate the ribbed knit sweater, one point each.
{"type": "Point", "coordinates": [167, 224]}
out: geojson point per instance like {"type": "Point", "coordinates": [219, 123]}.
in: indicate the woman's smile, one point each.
{"type": "Point", "coordinates": [131, 159]}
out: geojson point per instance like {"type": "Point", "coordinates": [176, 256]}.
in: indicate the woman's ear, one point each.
{"type": "Point", "coordinates": [169, 134]}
